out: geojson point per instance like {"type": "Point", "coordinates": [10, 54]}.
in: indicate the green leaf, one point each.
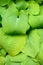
{"type": "Point", "coordinates": [9, 18]}
{"type": "Point", "coordinates": [3, 52]}
{"type": "Point", "coordinates": [40, 32]}
{"type": "Point", "coordinates": [2, 60]}
{"type": "Point", "coordinates": [33, 8]}
{"type": "Point", "coordinates": [9, 62]}
{"type": "Point", "coordinates": [33, 44]}
{"type": "Point", "coordinates": [4, 2]}
{"type": "Point", "coordinates": [21, 5]}
{"type": "Point", "coordinates": [22, 23]}
{"type": "Point", "coordinates": [12, 44]}
{"type": "Point", "coordinates": [11, 24]}
{"type": "Point", "coordinates": [15, 44]}
{"type": "Point", "coordinates": [39, 1]}
{"type": "Point", "coordinates": [0, 21]}
{"type": "Point", "coordinates": [40, 54]}
{"type": "Point", "coordinates": [19, 0]}
{"type": "Point", "coordinates": [2, 10]}
{"type": "Point", "coordinates": [0, 46]}
{"type": "Point", "coordinates": [41, 10]}
{"type": "Point", "coordinates": [29, 61]}
{"type": "Point", "coordinates": [18, 58]}
{"type": "Point", "coordinates": [36, 21]}
{"type": "Point", "coordinates": [12, 8]}
{"type": "Point", "coordinates": [12, 63]}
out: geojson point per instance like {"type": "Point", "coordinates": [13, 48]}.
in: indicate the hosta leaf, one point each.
{"type": "Point", "coordinates": [33, 8]}
{"type": "Point", "coordinates": [4, 2]}
{"type": "Point", "coordinates": [29, 61]}
{"type": "Point", "coordinates": [40, 54]}
{"type": "Point", "coordinates": [18, 58]}
{"type": "Point", "coordinates": [12, 44]}
{"type": "Point", "coordinates": [36, 21]}
{"type": "Point", "coordinates": [22, 23]}
{"type": "Point", "coordinates": [40, 32]}
{"type": "Point", "coordinates": [11, 63]}
{"type": "Point", "coordinates": [11, 24]}
{"type": "Point", "coordinates": [41, 10]}
{"type": "Point", "coordinates": [39, 1]}
{"type": "Point", "coordinates": [3, 52]}
{"type": "Point", "coordinates": [21, 5]}
{"type": "Point", "coordinates": [2, 11]}
{"type": "Point", "coordinates": [2, 60]}
{"type": "Point", "coordinates": [15, 44]}
{"type": "Point", "coordinates": [8, 61]}
{"type": "Point", "coordinates": [12, 8]}
{"type": "Point", "coordinates": [9, 17]}
{"type": "Point", "coordinates": [8, 24]}
{"type": "Point", "coordinates": [33, 44]}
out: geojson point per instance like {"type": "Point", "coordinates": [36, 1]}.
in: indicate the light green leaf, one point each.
{"type": "Point", "coordinates": [2, 11]}
{"type": "Point", "coordinates": [18, 58]}
{"type": "Point", "coordinates": [40, 54]}
{"type": "Point", "coordinates": [19, 0]}
{"type": "Point", "coordinates": [12, 8]}
{"type": "Point", "coordinates": [29, 61]}
{"type": "Point", "coordinates": [4, 2]}
{"type": "Point", "coordinates": [2, 60]}
{"type": "Point", "coordinates": [21, 5]}
{"type": "Point", "coordinates": [0, 21]}
{"type": "Point", "coordinates": [33, 8]}
{"type": "Point", "coordinates": [39, 1]}
{"type": "Point", "coordinates": [41, 10]}
{"type": "Point", "coordinates": [11, 24]}
{"type": "Point", "coordinates": [9, 62]}
{"type": "Point", "coordinates": [33, 44]}
{"type": "Point", "coordinates": [36, 21]}
{"type": "Point", "coordinates": [0, 47]}
{"type": "Point", "coordinates": [12, 63]}
{"type": "Point", "coordinates": [3, 52]}
{"type": "Point", "coordinates": [40, 32]}
{"type": "Point", "coordinates": [12, 44]}
{"type": "Point", "coordinates": [22, 23]}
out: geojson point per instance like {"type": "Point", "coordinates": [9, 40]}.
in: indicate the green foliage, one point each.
{"type": "Point", "coordinates": [33, 8]}
{"type": "Point", "coordinates": [4, 2]}
{"type": "Point", "coordinates": [32, 44]}
{"type": "Point", "coordinates": [21, 32]}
